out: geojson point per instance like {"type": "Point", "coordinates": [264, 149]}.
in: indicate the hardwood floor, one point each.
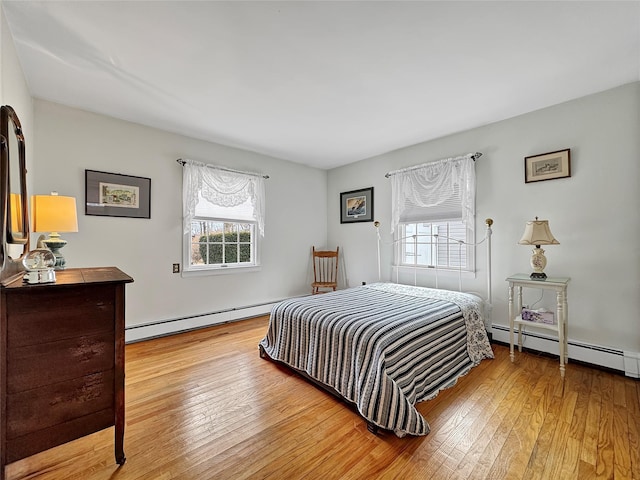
{"type": "Point", "coordinates": [203, 405]}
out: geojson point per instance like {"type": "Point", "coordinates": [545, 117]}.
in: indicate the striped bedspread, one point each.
{"type": "Point", "coordinates": [383, 347]}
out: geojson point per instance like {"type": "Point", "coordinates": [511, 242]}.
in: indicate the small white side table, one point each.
{"type": "Point", "coordinates": [519, 281]}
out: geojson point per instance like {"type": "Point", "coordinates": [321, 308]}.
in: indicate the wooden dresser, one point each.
{"type": "Point", "coordinates": [61, 361]}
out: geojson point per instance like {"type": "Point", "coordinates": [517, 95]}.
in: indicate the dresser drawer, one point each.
{"type": "Point", "coordinates": [58, 313]}
{"type": "Point", "coordinates": [21, 447]}
{"type": "Point", "coordinates": [33, 366]}
{"type": "Point", "coordinates": [51, 405]}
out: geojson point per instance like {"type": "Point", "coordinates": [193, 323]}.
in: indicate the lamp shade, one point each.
{"type": "Point", "coordinates": [537, 232]}
{"type": "Point", "coordinates": [54, 213]}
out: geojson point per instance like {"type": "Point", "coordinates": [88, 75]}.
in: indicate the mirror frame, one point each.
{"type": "Point", "coordinates": [10, 125]}
{"type": "Point", "coordinates": [8, 117]}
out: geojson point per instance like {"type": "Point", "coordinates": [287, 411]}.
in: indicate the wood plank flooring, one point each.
{"type": "Point", "coordinates": [203, 405]}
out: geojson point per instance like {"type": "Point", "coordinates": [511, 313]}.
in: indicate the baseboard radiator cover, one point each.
{"type": "Point", "coordinates": [610, 358]}
{"type": "Point", "coordinates": [623, 361]}
{"type": "Point", "coordinates": [161, 328]}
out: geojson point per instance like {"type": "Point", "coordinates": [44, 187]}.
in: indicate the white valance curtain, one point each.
{"type": "Point", "coordinates": [447, 188]}
{"type": "Point", "coordinates": [202, 184]}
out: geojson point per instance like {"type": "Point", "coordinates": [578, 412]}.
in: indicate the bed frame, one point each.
{"type": "Point", "coordinates": [439, 239]}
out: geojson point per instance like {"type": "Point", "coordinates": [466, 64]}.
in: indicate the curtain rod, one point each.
{"type": "Point", "coordinates": [474, 157]}
{"type": "Point", "coordinates": [182, 162]}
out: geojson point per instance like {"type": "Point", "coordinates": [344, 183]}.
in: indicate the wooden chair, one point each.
{"type": "Point", "coordinates": [325, 270]}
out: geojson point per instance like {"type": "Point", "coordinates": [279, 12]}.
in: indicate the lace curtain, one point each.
{"type": "Point", "coordinates": [446, 187]}
{"type": "Point", "coordinates": [222, 188]}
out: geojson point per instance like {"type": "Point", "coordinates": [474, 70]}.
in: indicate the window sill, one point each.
{"type": "Point", "coordinates": [203, 272]}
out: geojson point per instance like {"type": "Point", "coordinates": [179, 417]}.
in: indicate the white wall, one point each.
{"type": "Point", "coordinates": [15, 93]}
{"type": "Point", "coordinates": [594, 213]}
{"type": "Point", "coordinates": [13, 87]}
{"type": "Point", "coordinates": [68, 141]}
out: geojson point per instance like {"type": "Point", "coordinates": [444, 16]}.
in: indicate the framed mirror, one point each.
{"type": "Point", "coordinates": [14, 202]}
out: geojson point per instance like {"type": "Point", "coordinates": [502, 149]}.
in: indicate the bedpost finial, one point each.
{"type": "Point", "coordinates": [489, 222]}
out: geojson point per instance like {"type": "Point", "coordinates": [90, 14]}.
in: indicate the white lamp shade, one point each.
{"type": "Point", "coordinates": [537, 232]}
{"type": "Point", "coordinates": [54, 213]}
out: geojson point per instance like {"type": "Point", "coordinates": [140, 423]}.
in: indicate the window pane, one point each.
{"type": "Point", "coordinates": [423, 229]}
{"type": "Point", "coordinates": [198, 237]}
{"type": "Point", "coordinates": [409, 253]}
{"type": "Point", "coordinates": [209, 243]}
{"type": "Point", "coordinates": [424, 254]}
{"type": "Point", "coordinates": [230, 232]}
{"type": "Point", "coordinates": [429, 250]}
{"type": "Point", "coordinates": [215, 231]}
{"type": "Point", "coordinates": [245, 241]}
{"type": "Point", "coordinates": [231, 253]}
{"type": "Point", "coordinates": [221, 243]}
{"type": "Point", "coordinates": [245, 253]}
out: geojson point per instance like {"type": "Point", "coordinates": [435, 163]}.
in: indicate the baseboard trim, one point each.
{"type": "Point", "coordinates": [606, 357]}
{"type": "Point", "coordinates": [162, 328]}
{"type": "Point", "coordinates": [609, 358]}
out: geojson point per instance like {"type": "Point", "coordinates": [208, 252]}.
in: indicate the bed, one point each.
{"type": "Point", "coordinates": [382, 347]}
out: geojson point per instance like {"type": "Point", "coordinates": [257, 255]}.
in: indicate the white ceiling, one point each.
{"type": "Point", "coordinates": [322, 83]}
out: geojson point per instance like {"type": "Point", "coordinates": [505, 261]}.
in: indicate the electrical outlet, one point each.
{"type": "Point", "coordinates": [176, 268]}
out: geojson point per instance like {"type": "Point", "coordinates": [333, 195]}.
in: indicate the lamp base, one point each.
{"type": "Point", "coordinates": [55, 243]}
{"type": "Point", "coordinates": [538, 276]}
{"type": "Point", "coordinates": [538, 262]}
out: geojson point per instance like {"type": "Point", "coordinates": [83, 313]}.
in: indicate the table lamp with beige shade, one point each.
{"type": "Point", "coordinates": [54, 214]}
{"type": "Point", "coordinates": [537, 232]}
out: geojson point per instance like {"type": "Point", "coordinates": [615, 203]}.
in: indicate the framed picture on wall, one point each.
{"type": "Point", "coordinates": [116, 195]}
{"type": "Point", "coordinates": [356, 206]}
{"type": "Point", "coordinates": [547, 166]}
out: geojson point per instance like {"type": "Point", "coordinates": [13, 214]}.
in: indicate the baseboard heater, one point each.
{"type": "Point", "coordinates": [161, 328]}
{"type": "Point", "coordinates": [610, 358]}
{"type": "Point", "coordinates": [606, 357]}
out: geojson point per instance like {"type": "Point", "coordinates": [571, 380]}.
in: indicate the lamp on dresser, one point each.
{"type": "Point", "coordinates": [537, 232]}
{"type": "Point", "coordinates": [54, 213]}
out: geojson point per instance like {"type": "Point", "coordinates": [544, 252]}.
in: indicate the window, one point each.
{"type": "Point", "coordinates": [436, 244]}
{"type": "Point", "coordinates": [433, 214]}
{"type": "Point", "coordinates": [222, 244]}
{"type": "Point", "coordinates": [223, 219]}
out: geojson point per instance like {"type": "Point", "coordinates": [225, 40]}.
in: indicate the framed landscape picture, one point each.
{"type": "Point", "coordinates": [356, 206]}
{"type": "Point", "coordinates": [116, 195]}
{"type": "Point", "coordinates": [547, 166]}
